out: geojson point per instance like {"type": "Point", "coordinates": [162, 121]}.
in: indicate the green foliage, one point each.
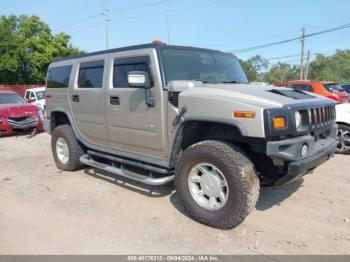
{"type": "Point", "coordinates": [254, 68]}
{"type": "Point", "coordinates": [281, 72]}
{"type": "Point", "coordinates": [27, 47]}
{"type": "Point", "coordinates": [333, 68]}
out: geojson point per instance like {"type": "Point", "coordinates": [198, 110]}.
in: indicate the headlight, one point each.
{"type": "Point", "coordinates": [298, 120]}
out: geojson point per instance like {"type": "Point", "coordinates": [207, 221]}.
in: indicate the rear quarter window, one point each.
{"type": "Point", "coordinates": [58, 77]}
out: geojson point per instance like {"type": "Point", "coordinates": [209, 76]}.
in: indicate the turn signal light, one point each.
{"type": "Point", "coordinates": [240, 114]}
{"type": "Point", "coordinates": [279, 122]}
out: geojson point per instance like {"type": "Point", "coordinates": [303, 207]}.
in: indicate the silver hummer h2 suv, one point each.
{"type": "Point", "coordinates": [156, 113]}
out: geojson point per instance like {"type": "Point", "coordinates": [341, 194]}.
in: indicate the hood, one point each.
{"type": "Point", "coordinates": [255, 95]}
{"type": "Point", "coordinates": [18, 110]}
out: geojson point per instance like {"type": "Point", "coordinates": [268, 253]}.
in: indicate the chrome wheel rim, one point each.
{"type": "Point", "coordinates": [208, 186]}
{"type": "Point", "coordinates": [62, 150]}
{"type": "Point", "coordinates": [343, 138]}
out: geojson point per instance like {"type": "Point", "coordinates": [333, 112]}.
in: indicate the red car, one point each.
{"type": "Point", "coordinates": [331, 90]}
{"type": "Point", "coordinates": [16, 115]}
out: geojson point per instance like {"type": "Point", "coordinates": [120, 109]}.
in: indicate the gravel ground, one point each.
{"type": "Point", "coordinates": [47, 211]}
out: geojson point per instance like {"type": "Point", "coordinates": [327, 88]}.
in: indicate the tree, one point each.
{"type": "Point", "coordinates": [27, 47]}
{"type": "Point", "coordinates": [333, 68]}
{"type": "Point", "coordinates": [281, 72]}
{"type": "Point", "coordinates": [254, 67]}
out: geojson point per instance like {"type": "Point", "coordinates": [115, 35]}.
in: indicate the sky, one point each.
{"type": "Point", "coordinates": [226, 25]}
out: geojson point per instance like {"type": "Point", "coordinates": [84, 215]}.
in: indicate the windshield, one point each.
{"type": "Point", "coordinates": [40, 95]}
{"type": "Point", "coordinates": [334, 87]}
{"type": "Point", "coordinates": [205, 66]}
{"type": "Point", "coordinates": [10, 98]}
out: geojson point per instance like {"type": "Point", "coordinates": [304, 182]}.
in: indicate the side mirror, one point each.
{"type": "Point", "coordinates": [29, 100]}
{"type": "Point", "coordinates": [139, 79]}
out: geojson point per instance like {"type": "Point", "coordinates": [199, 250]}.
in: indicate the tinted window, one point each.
{"type": "Point", "coordinates": [125, 65]}
{"type": "Point", "coordinates": [11, 98]}
{"type": "Point", "coordinates": [346, 88]}
{"type": "Point", "coordinates": [334, 87]}
{"type": "Point", "coordinates": [307, 88]}
{"type": "Point", "coordinates": [206, 66]}
{"type": "Point", "coordinates": [58, 77]}
{"type": "Point", "coordinates": [91, 74]}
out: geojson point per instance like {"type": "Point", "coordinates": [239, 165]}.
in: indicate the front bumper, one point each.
{"type": "Point", "coordinates": [288, 153]}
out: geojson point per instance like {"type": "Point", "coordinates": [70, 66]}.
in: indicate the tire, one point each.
{"type": "Point", "coordinates": [343, 138]}
{"type": "Point", "coordinates": [243, 185]}
{"type": "Point", "coordinates": [64, 133]}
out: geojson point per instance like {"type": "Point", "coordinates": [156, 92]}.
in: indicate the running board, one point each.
{"type": "Point", "coordinates": [85, 159]}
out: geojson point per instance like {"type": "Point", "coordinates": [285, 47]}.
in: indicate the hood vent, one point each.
{"type": "Point", "coordinates": [295, 94]}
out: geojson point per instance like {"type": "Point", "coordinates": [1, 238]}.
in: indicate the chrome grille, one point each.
{"type": "Point", "coordinates": [321, 116]}
{"type": "Point", "coordinates": [22, 122]}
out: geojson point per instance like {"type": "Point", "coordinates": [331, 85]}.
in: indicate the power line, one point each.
{"type": "Point", "coordinates": [172, 11]}
{"type": "Point", "coordinates": [243, 50]}
{"type": "Point", "coordinates": [118, 9]}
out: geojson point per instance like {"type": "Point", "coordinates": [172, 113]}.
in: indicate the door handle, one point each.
{"type": "Point", "coordinates": [114, 100]}
{"type": "Point", "coordinates": [75, 98]}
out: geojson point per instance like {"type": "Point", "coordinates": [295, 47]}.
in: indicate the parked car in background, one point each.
{"type": "Point", "coordinates": [343, 121]}
{"type": "Point", "coordinates": [16, 115]}
{"type": "Point", "coordinates": [331, 90]}
{"type": "Point", "coordinates": [36, 96]}
{"type": "Point", "coordinates": [346, 87]}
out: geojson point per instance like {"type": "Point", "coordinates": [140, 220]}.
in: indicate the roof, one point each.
{"type": "Point", "coordinates": [135, 47]}
{"type": "Point", "coordinates": [7, 92]}
{"type": "Point", "coordinates": [36, 89]}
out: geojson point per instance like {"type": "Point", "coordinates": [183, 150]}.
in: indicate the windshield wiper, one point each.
{"type": "Point", "coordinates": [231, 82]}
{"type": "Point", "coordinates": [201, 80]}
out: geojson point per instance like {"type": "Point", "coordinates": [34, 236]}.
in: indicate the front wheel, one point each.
{"type": "Point", "coordinates": [343, 138]}
{"type": "Point", "coordinates": [66, 149]}
{"type": "Point", "coordinates": [216, 183]}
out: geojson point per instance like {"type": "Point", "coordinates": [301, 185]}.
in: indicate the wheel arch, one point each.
{"type": "Point", "coordinates": [194, 131]}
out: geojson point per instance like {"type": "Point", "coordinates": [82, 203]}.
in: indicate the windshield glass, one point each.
{"type": "Point", "coordinates": [9, 98]}
{"type": "Point", "coordinates": [334, 87]}
{"type": "Point", "coordinates": [205, 66]}
{"type": "Point", "coordinates": [40, 95]}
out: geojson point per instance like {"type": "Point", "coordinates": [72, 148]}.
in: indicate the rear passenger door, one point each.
{"type": "Point", "coordinates": [88, 101]}
{"type": "Point", "coordinates": [134, 126]}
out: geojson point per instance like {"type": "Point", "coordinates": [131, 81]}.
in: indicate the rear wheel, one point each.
{"type": "Point", "coordinates": [66, 149]}
{"type": "Point", "coordinates": [216, 183]}
{"type": "Point", "coordinates": [343, 138]}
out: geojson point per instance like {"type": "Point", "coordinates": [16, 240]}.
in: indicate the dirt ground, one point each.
{"type": "Point", "coordinates": [47, 211]}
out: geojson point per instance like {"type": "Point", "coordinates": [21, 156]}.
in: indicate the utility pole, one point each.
{"type": "Point", "coordinates": [307, 65]}
{"type": "Point", "coordinates": [302, 53]}
{"type": "Point", "coordinates": [106, 15]}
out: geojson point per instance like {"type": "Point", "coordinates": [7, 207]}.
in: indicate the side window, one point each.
{"type": "Point", "coordinates": [58, 77]}
{"type": "Point", "coordinates": [32, 96]}
{"type": "Point", "coordinates": [124, 65]}
{"type": "Point", "coordinates": [91, 74]}
{"type": "Point", "coordinates": [307, 88]}
{"type": "Point", "coordinates": [27, 95]}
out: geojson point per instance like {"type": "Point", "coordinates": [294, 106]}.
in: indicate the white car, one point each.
{"type": "Point", "coordinates": [36, 96]}
{"type": "Point", "coordinates": [343, 121]}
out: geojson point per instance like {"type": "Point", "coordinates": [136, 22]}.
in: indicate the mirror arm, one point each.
{"type": "Point", "coordinates": [150, 101]}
